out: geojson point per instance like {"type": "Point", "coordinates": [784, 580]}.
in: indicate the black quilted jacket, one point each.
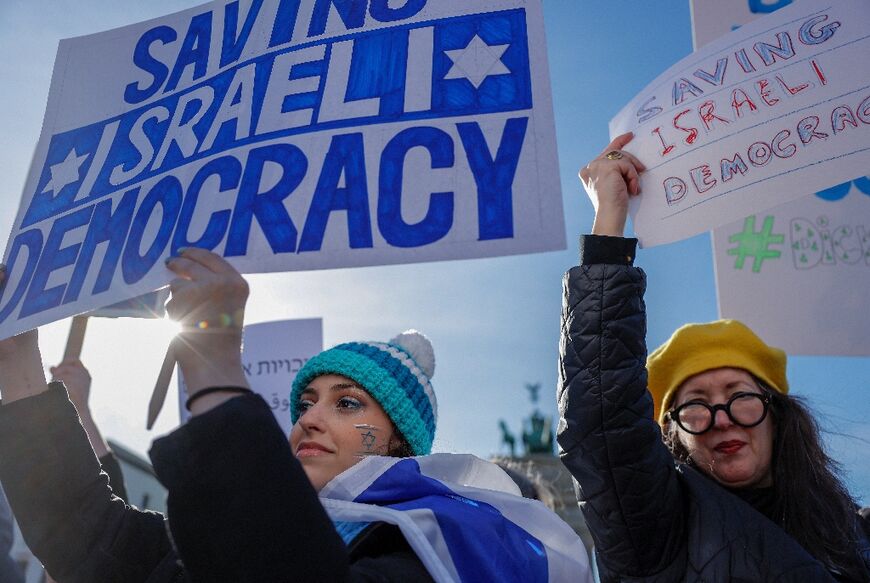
{"type": "Point", "coordinates": [651, 520]}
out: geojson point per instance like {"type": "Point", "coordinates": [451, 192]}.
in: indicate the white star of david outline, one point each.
{"type": "Point", "coordinates": [477, 61]}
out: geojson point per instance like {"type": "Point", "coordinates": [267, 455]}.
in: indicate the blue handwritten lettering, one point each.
{"type": "Point", "coordinates": [267, 206]}
{"type": "Point", "coordinates": [229, 171]}
{"type": "Point", "coordinates": [194, 50]}
{"type": "Point", "coordinates": [494, 177]}
{"type": "Point", "coordinates": [32, 241]}
{"type": "Point", "coordinates": [234, 43]}
{"type": "Point", "coordinates": [167, 193]}
{"type": "Point", "coordinates": [143, 59]}
{"type": "Point", "coordinates": [54, 257]}
{"type": "Point", "coordinates": [345, 157]}
{"type": "Point", "coordinates": [439, 217]}
{"type": "Point", "coordinates": [106, 227]}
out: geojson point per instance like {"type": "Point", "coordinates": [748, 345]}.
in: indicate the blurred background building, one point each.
{"type": "Point", "coordinates": [537, 469]}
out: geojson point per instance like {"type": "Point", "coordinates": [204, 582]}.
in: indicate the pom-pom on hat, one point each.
{"type": "Point", "coordinates": [396, 374]}
{"type": "Point", "coordinates": [695, 348]}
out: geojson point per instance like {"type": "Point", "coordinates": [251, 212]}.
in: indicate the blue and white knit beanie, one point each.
{"type": "Point", "coordinates": [396, 374]}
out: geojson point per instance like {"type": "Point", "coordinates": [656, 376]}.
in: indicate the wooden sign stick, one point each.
{"type": "Point", "coordinates": [76, 338]}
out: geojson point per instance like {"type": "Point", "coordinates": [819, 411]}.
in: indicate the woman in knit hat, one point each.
{"type": "Point", "coordinates": [359, 410]}
{"type": "Point", "coordinates": [341, 500]}
{"type": "Point", "coordinates": [375, 398]}
{"type": "Point", "coordinates": [740, 488]}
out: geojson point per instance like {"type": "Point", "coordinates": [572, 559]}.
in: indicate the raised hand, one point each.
{"type": "Point", "coordinates": [208, 293]}
{"type": "Point", "coordinates": [21, 373]}
{"type": "Point", "coordinates": [610, 180]}
{"type": "Point", "coordinates": [208, 299]}
{"type": "Point", "coordinates": [77, 380]}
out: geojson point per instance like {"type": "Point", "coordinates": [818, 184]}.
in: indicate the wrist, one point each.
{"type": "Point", "coordinates": [209, 359]}
{"type": "Point", "coordinates": [198, 347]}
{"type": "Point", "coordinates": [21, 374]}
{"type": "Point", "coordinates": [211, 397]}
{"type": "Point", "coordinates": [609, 225]}
{"type": "Point", "coordinates": [610, 220]}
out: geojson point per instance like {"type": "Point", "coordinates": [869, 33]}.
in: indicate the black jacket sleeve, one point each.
{"type": "Point", "coordinates": [63, 503]}
{"type": "Point", "coordinates": [112, 468]}
{"type": "Point", "coordinates": [9, 571]}
{"type": "Point", "coordinates": [625, 476]}
{"type": "Point", "coordinates": [241, 508]}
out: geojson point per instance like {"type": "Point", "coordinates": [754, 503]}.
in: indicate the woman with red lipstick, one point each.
{"type": "Point", "coordinates": [694, 464]}
{"type": "Point", "coordinates": [341, 500]}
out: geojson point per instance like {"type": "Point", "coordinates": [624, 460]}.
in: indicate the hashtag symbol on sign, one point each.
{"type": "Point", "coordinates": [755, 244]}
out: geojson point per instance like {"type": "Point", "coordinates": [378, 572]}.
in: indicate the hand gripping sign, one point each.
{"type": "Point", "coordinates": [776, 109]}
{"type": "Point", "coordinates": [272, 355]}
{"type": "Point", "coordinates": [286, 135]}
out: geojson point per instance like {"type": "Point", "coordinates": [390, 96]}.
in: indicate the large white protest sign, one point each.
{"type": "Point", "coordinates": [273, 353]}
{"type": "Point", "coordinates": [714, 18]}
{"type": "Point", "coordinates": [799, 271]}
{"type": "Point", "coordinates": [774, 110]}
{"type": "Point", "coordinates": [152, 305]}
{"type": "Point", "coordinates": [286, 135]}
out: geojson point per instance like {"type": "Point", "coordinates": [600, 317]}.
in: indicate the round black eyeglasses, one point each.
{"type": "Point", "coordinates": [744, 409]}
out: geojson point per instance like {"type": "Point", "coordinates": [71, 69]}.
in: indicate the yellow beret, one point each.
{"type": "Point", "coordinates": [695, 348]}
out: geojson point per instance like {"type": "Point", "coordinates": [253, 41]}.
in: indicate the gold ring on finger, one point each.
{"type": "Point", "coordinates": [613, 155]}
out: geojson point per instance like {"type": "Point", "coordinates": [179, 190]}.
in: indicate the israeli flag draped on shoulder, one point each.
{"type": "Point", "coordinates": [462, 516]}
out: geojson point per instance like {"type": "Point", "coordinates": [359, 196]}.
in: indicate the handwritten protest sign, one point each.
{"type": "Point", "coordinates": [286, 135]}
{"type": "Point", "coordinates": [796, 272]}
{"type": "Point", "coordinates": [800, 273]}
{"type": "Point", "coordinates": [273, 353]}
{"type": "Point", "coordinates": [150, 305]}
{"type": "Point", "coordinates": [774, 110]}
{"type": "Point", "coordinates": [714, 18]}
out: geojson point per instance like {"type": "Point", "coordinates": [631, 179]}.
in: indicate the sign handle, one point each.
{"type": "Point", "coordinates": [162, 385]}
{"type": "Point", "coordinates": [76, 338]}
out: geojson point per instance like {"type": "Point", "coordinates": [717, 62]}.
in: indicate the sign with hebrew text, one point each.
{"type": "Point", "coordinates": [273, 353]}
{"type": "Point", "coordinates": [286, 135]}
{"type": "Point", "coordinates": [774, 110]}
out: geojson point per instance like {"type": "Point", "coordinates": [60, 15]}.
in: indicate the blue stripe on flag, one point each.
{"type": "Point", "coordinates": [483, 544]}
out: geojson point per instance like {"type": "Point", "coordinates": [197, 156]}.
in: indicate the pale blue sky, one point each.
{"type": "Point", "coordinates": [494, 323]}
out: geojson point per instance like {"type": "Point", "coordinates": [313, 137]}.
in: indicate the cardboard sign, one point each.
{"type": "Point", "coordinates": [286, 135]}
{"type": "Point", "coordinates": [714, 18]}
{"type": "Point", "coordinates": [774, 110]}
{"type": "Point", "coordinates": [151, 305]}
{"type": "Point", "coordinates": [797, 272]}
{"type": "Point", "coordinates": [273, 353]}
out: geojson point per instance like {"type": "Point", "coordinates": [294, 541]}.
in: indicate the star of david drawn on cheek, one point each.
{"type": "Point", "coordinates": [368, 439]}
